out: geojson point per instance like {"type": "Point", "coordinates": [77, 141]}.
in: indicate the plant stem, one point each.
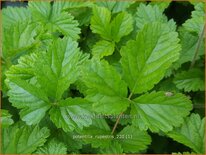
{"type": "Point", "coordinates": [118, 119]}
{"type": "Point", "coordinates": [198, 47]}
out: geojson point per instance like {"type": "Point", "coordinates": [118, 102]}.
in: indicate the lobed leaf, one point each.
{"type": "Point", "coordinates": [145, 60]}
{"type": "Point", "coordinates": [121, 26]}
{"type": "Point", "coordinates": [104, 87]}
{"type": "Point", "coordinates": [54, 19]}
{"type": "Point", "coordinates": [100, 22]}
{"type": "Point", "coordinates": [58, 68]}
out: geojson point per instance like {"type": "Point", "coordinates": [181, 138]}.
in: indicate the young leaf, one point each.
{"type": "Point", "coordinates": [21, 139]}
{"type": "Point", "coordinates": [103, 48]}
{"type": "Point", "coordinates": [30, 99]}
{"type": "Point", "coordinates": [160, 111]}
{"type": "Point", "coordinates": [192, 80]}
{"type": "Point", "coordinates": [6, 119]}
{"type": "Point", "coordinates": [71, 114]}
{"type": "Point", "coordinates": [191, 133]}
{"type": "Point", "coordinates": [52, 147]}
{"type": "Point", "coordinates": [54, 18]}
{"type": "Point", "coordinates": [100, 22]}
{"type": "Point", "coordinates": [121, 26]}
{"type": "Point", "coordinates": [105, 88]}
{"type": "Point", "coordinates": [58, 68]}
{"type": "Point", "coordinates": [145, 60]}
{"type": "Point", "coordinates": [133, 140]}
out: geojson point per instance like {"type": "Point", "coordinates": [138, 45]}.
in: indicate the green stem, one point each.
{"type": "Point", "coordinates": [197, 47]}
{"type": "Point", "coordinates": [118, 119]}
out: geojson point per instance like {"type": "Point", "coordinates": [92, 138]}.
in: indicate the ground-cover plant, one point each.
{"type": "Point", "coordinates": [102, 77]}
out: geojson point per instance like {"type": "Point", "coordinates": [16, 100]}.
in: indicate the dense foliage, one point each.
{"type": "Point", "coordinates": [102, 77]}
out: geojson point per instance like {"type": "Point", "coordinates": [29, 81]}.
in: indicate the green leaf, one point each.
{"type": "Point", "coordinates": [113, 148]}
{"type": "Point", "coordinates": [6, 119]}
{"type": "Point", "coordinates": [121, 26]}
{"type": "Point", "coordinates": [148, 14]}
{"type": "Point", "coordinates": [191, 133]}
{"type": "Point", "coordinates": [24, 68]}
{"type": "Point", "coordinates": [103, 48]}
{"type": "Point", "coordinates": [192, 80]}
{"type": "Point", "coordinates": [161, 4]}
{"type": "Point", "coordinates": [145, 60]}
{"type": "Point", "coordinates": [73, 4]}
{"type": "Point", "coordinates": [100, 22]}
{"type": "Point", "coordinates": [196, 23]}
{"type": "Point", "coordinates": [21, 139]}
{"type": "Point", "coordinates": [14, 15]}
{"type": "Point", "coordinates": [19, 39]}
{"type": "Point", "coordinates": [72, 113]}
{"type": "Point", "coordinates": [98, 134]}
{"type": "Point", "coordinates": [189, 43]}
{"type": "Point", "coordinates": [160, 111]}
{"type": "Point", "coordinates": [30, 99]}
{"type": "Point", "coordinates": [58, 68]}
{"type": "Point", "coordinates": [52, 147]}
{"type": "Point", "coordinates": [67, 138]}
{"type": "Point", "coordinates": [133, 140]}
{"type": "Point", "coordinates": [54, 18]}
{"type": "Point", "coordinates": [105, 88]}
{"type": "Point", "coordinates": [114, 6]}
